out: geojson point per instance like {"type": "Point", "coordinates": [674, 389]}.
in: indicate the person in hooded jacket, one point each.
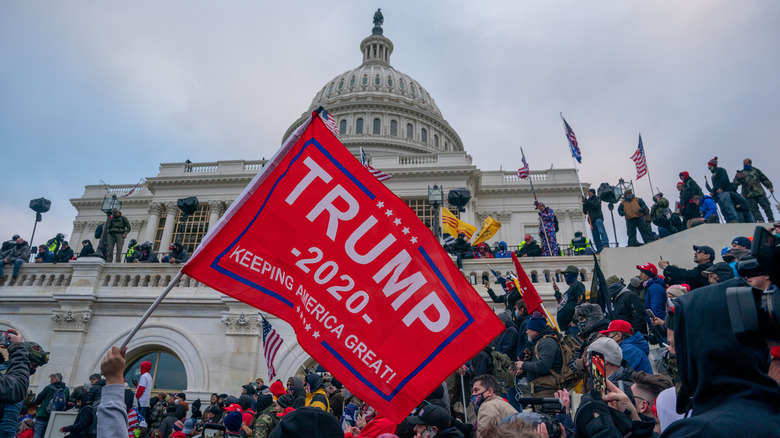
{"type": "Point", "coordinates": [567, 301]}
{"type": "Point", "coordinates": [266, 419]}
{"type": "Point", "coordinates": [724, 382]}
{"type": "Point", "coordinates": [144, 388]}
{"type": "Point", "coordinates": [655, 298]}
{"type": "Point", "coordinates": [166, 426]}
{"type": "Point", "coordinates": [16, 255]}
{"type": "Point", "coordinates": [506, 342]}
{"type": "Point", "coordinates": [86, 249]}
{"type": "Point", "coordinates": [146, 254]}
{"type": "Point", "coordinates": [633, 345]}
{"type": "Point", "coordinates": [483, 251]}
{"type": "Point", "coordinates": [64, 254]}
{"type": "Point", "coordinates": [626, 305]}
{"type": "Point", "coordinates": [247, 414]}
{"type": "Point", "coordinates": [315, 393]}
{"type": "Point", "coordinates": [502, 251]}
{"type": "Point", "coordinates": [689, 188]}
{"type": "Point", "coordinates": [83, 420]}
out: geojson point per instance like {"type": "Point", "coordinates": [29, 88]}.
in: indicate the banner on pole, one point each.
{"type": "Point", "coordinates": [317, 241]}
{"type": "Point", "coordinates": [489, 229]}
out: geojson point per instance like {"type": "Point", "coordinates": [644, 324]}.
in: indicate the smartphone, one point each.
{"type": "Point", "coordinates": [429, 433]}
{"type": "Point", "coordinates": [650, 313]}
{"type": "Point", "coordinates": [211, 430]}
{"type": "Point", "coordinates": [4, 341]}
{"type": "Point", "coordinates": [598, 372]}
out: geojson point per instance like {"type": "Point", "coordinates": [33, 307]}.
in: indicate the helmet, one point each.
{"type": "Point", "coordinates": [146, 246]}
{"type": "Point", "coordinates": [14, 237]}
{"type": "Point", "coordinates": [37, 355]}
{"type": "Point", "coordinates": [132, 243]}
{"type": "Point", "coordinates": [60, 236]}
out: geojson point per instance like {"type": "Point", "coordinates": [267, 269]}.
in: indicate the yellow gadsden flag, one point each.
{"type": "Point", "coordinates": [452, 225]}
{"type": "Point", "coordinates": [489, 228]}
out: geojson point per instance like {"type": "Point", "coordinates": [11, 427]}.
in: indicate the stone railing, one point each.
{"type": "Point", "coordinates": [406, 160]}
{"type": "Point", "coordinates": [201, 168]}
{"type": "Point", "coordinates": [535, 175]}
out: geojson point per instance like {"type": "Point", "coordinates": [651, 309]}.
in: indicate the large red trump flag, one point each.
{"type": "Point", "coordinates": [317, 241]}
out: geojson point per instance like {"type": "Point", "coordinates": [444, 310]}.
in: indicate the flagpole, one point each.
{"type": "Point", "coordinates": [303, 364]}
{"type": "Point", "coordinates": [151, 309]}
{"type": "Point", "coordinates": [644, 151]}
{"type": "Point", "coordinates": [541, 222]}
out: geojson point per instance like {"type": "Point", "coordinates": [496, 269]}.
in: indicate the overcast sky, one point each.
{"type": "Point", "coordinates": [93, 90]}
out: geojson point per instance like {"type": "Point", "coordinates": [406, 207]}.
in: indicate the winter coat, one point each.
{"type": "Point", "coordinates": [461, 246]}
{"type": "Point", "coordinates": [166, 426]}
{"type": "Point", "coordinates": [298, 393]}
{"type": "Point", "coordinates": [632, 208]}
{"type": "Point", "coordinates": [450, 432]}
{"type": "Point", "coordinates": [64, 255]}
{"type": "Point", "coordinates": [81, 425]}
{"type": "Point", "coordinates": [147, 257]}
{"type": "Point", "coordinates": [568, 303]}
{"type": "Point", "coordinates": [44, 256]}
{"type": "Point", "coordinates": [483, 252]}
{"type": "Point", "coordinates": [691, 277]}
{"type": "Point", "coordinates": [509, 298]}
{"type": "Point", "coordinates": [506, 342]}
{"type": "Point", "coordinates": [721, 181]}
{"type": "Point", "coordinates": [317, 398]}
{"type": "Point", "coordinates": [87, 251]}
{"type": "Point", "coordinates": [689, 190]}
{"type": "Point", "coordinates": [530, 249]}
{"type": "Point", "coordinates": [627, 306]}
{"type": "Point", "coordinates": [655, 298]}
{"type": "Point", "coordinates": [725, 380]}
{"type": "Point", "coordinates": [751, 181]}
{"type": "Point", "coordinates": [546, 357]}
{"type": "Point", "coordinates": [482, 363]}
{"type": "Point", "coordinates": [707, 207]}
{"type": "Point", "coordinates": [658, 211]}
{"type": "Point", "coordinates": [592, 207]}
{"type": "Point", "coordinates": [95, 391]}
{"type": "Point", "coordinates": [740, 203]}
{"type": "Point", "coordinates": [18, 252]}
{"type": "Point", "coordinates": [502, 251]}
{"type": "Point", "coordinates": [45, 396]}
{"type": "Point", "coordinates": [496, 408]}
{"type": "Point", "coordinates": [379, 425]}
{"type": "Point", "coordinates": [181, 255]}
{"type": "Point", "coordinates": [635, 350]}
{"type": "Point", "coordinates": [118, 225]}
{"type": "Point", "coordinates": [14, 379]}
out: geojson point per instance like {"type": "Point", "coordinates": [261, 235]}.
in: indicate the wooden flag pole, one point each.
{"type": "Point", "coordinates": [151, 309]}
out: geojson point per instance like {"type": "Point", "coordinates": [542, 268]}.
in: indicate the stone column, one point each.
{"type": "Point", "coordinates": [151, 224]}
{"type": "Point", "coordinates": [75, 237]}
{"type": "Point", "coordinates": [170, 218]}
{"type": "Point", "coordinates": [569, 226]}
{"type": "Point", "coordinates": [215, 211]}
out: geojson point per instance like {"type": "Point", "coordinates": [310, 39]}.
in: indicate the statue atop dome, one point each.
{"type": "Point", "coordinates": [379, 19]}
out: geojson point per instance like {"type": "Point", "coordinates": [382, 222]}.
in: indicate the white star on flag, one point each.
{"type": "Point", "coordinates": [405, 230]}
{"type": "Point", "coordinates": [316, 334]}
{"type": "Point", "coordinates": [397, 221]}
{"type": "Point", "coordinates": [308, 327]}
{"type": "Point", "coordinates": [413, 239]}
{"type": "Point", "coordinates": [380, 204]}
{"type": "Point", "coordinates": [388, 213]}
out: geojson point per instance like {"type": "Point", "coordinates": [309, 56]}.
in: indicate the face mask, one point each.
{"type": "Point", "coordinates": [530, 339]}
{"type": "Point", "coordinates": [747, 167]}
{"type": "Point", "coordinates": [582, 325]}
{"type": "Point", "coordinates": [477, 399]}
{"type": "Point", "coordinates": [176, 401]}
{"type": "Point", "coordinates": [517, 314]}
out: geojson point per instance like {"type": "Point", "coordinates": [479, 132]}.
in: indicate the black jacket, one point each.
{"type": "Point", "coordinates": [509, 298]}
{"type": "Point", "coordinates": [87, 251]}
{"type": "Point", "coordinates": [691, 277]}
{"type": "Point", "coordinates": [14, 382]}
{"type": "Point", "coordinates": [81, 425]}
{"type": "Point", "coordinates": [721, 180]}
{"type": "Point", "coordinates": [63, 255]}
{"type": "Point", "coordinates": [166, 427]}
{"type": "Point", "coordinates": [482, 363]}
{"type": "Point", "coordinates": [531, 249]}
{"type": "Point", "coordinates": [592, 207]}
{"type": "Point", "coordinates": [726, 381]}
{"type": "Point", "coordinates": [549, 356]}
{"type": "Point", "coordinates": [506, 342]}
{"type": "Point", "coordinates": [95, 392]}
{"type": "Point", "coordinates": [627, 306]}
{"type": "Point", "coordinates": [566, 312]}
{"type": "Point", "coordinates": [460, 246]}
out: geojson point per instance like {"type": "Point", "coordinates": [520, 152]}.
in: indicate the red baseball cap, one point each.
{"type": "Point", "coordinates": [527, 237]}
{"type": "Point", "coordinates": [233, 407]}
{"type": "Point", "coordinates": [618, 325]}
{"type": "Point", "coordinates": [648, 267]}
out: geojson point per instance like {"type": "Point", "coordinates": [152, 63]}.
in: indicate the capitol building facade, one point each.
{"type": "Point", "coordinates": [201, 341]}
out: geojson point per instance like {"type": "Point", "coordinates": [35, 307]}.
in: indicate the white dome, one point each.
{"type": "Point", "coordinates": [382, 109]}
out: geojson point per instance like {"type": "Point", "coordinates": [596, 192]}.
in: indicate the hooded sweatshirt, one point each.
{"type": "Point", "coordinates": [635, 350]}
{"type": "Point", "coordinates": [317, 397]}
{"type": "Point", "coordinates": [298, 393]}
{"type": "Point", "coordinates": [727, 382]}
{"type": "Point", "coordinates": [655, 298]}
{"type": "Point", "coordinates": [144, 390]}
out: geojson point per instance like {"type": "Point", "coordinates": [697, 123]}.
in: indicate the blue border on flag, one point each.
{"type": "Point", "coordinates": [250, 283]}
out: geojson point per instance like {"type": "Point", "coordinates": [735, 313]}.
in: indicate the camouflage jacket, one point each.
{"type": "Point", "coordinates": [751, 181]}
{"type": "Point", "coordinates": [265, 422]}
{"type": "Point", "coordinates": [658, 211]}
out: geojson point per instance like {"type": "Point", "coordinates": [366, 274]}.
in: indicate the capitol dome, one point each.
{"type": "Point", "coordinates": [381, 109]}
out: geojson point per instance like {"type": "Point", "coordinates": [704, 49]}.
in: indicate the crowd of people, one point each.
{"type": "Point", "coordinates": [650, 356]}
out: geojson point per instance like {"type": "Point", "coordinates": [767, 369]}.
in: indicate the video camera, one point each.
{"type": "Point", "coordinates": [552, 406]}
{"type": "Point", "coordinates": [755, 313]}
{"type": "Point", "coordinates": [534, 419]}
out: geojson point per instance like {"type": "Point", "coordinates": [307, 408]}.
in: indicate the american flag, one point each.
{"type": "Point", "coordinates": [639, 160]}
{"type": "Point", "coordinates": [575, 149]}
{"type": "Point", "coordinates": [378, 174]}
{"type": "Point", "coordinates": [330, 122]}
{"type": "Point", "coordinates": [271, 343]}
{"type": "Point", "coordinates": [524, 171]}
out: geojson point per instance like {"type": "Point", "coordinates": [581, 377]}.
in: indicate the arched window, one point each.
{"type": "Point", "coordinates": [409, 130]}
{"type": "Point", "coordinates": [435, 141]}
{"type": "Point", "coordinates": [393, 128]}
{"type": "Point", "coordinates": [359, 126]}
{"type": "Point", "coordinates": [364, 81]}
{"type": "Point", "coordinates": [167, 371]}
{"type": "Point", "coordinates": [343, 127]}
{"type": "Point", "coordinates": [377, 80]}
{"type": "Point", "coordinates": [377, 126]}
{"type": "Point", "coordinates": [424, 135]}
{"type": "Point", "coordinates": [352, 81]}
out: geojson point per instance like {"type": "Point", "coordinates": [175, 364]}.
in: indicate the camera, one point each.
{"type": "Point", "coordinates": [552, 406]}
{"type": "Point", "coordinates": [755, 313]}
{"type": "Point", "coordinates": [536, 418]}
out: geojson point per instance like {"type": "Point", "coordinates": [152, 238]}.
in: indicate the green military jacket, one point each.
{"type": "Point", "coordinates": [751, 182]}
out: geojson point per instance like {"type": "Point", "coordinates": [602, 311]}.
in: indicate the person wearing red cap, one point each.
{"type": "Point", "coordinates": [529, 247]}
{"type": "Point", "coordinates": [634, 345]}
{"type": "Point", "coordinates": [655, 295]}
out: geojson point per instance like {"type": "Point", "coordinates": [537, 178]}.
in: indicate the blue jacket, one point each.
{"type": "Point", "coordinates": [655, 299]}
{"type": "Point", "coordinates": [635, 351]}
{"type": "Point", "coordinates": [708, 207]}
